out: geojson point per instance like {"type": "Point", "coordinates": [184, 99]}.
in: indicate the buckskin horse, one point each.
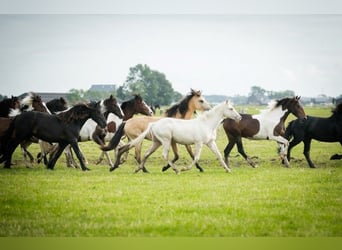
{"type": "Point", "coordinates": [62, 128]}
{"type": "Point", "coordinates": [267, 125]}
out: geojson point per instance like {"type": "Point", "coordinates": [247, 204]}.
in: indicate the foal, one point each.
{"type": "Point", "coordinates": [198, 131]}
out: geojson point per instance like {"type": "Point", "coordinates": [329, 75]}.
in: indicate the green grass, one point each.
{"type": "Point", "coordinates": [267, 201]}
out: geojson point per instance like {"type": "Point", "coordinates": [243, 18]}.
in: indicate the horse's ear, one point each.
{"type": "Point", "coordinates": [195, 92]}
{"type": "Point", "coordinates": [297, 97]}
{"type": "Point", "coordinates": [138, 97]}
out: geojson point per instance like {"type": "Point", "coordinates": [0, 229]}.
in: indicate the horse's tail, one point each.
{"type": "Point", "coordinates": [114, 142]}
{"type": "Point", "coordinates": [137, 140]}
{"type": "Point", "coordinates": [289, 131]}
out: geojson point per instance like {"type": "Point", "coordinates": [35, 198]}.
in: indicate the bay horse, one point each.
{"type": "Point", "coordinates": [7, 104]}
{"type": "Point", "coordinates": [267, 125]}
{"type": "Point", "coordinates": [317, 128]}
{"type": "Point", "coordinates": [62, 128]}
{"type": "Point", "coordinates": [133, 127]}
{"type": "Point", "coordinates": [197, 131]}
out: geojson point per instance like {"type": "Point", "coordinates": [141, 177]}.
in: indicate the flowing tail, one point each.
{"type": "Point", "coordinates": [114, 142]}
{"type": "Point", "coordinates": [137, 140]}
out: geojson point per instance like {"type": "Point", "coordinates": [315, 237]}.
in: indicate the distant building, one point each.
{"type": "Point", "coordinates": [103, 87]}
{"type": "Point", "coordinates": [47, 96]}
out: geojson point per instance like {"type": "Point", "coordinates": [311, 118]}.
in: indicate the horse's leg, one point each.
{"type": "Point", "coordinates": [307, 146]}
{"type": "Point", "coordinates": [153, 148]}
{"type": "Point", "coordinates": [227, 150]}
{"type": "Point", "coordinates": [10, 147]}
{"type": "Point", "coordinates": [198, 149]}
{"type": "Point", "coordinates": [79, 155]}
{"type": "Point", "coordinates": [188, 148]}
{"type": "Point", "coordinates": [54, 157]}
{"type": "Point", "coordinates": [175, 158]}
{"type": "Point", "coordinates": [292, 144]}
{"type": "Point", "coordinates": [166, 149]}
{"type": "Point", "coordinates": [212, 145]}
{"type": "Point", "coordinates": [241, 150]}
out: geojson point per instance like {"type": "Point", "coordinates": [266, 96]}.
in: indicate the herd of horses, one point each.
{"type": "Point", "coordinates": [59, 128]}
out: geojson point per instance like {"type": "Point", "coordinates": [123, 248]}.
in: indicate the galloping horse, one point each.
{"type": "Point", "coordinates": [62, 128]}
{"type": "Point", "coordinates": [30, 102]}
{"type": "Point", "coordinates": [136, 105]}
{"type": "Point", "coordinates": [7, 104]}
{"type": "Point", "coordinates": [269, 125]}
{"type": "Point", "coordinates": [317, 128]}
{"type": "Point", "coordinates": [198, 131]}
{"type": "Point", "coordinates": [133, 127]}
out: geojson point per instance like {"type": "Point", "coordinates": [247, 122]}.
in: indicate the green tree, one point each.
{"type": "Point", "coordinates": [150, 84]}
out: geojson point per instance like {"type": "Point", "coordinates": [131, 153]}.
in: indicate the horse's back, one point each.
{"type": "Point", "coordinates": [136, 125]}
{"type": "Point", "coordinates": [246, 127]}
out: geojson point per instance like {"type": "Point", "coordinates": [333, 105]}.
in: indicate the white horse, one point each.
{"type": "Point", "coordinates": [198, 131]}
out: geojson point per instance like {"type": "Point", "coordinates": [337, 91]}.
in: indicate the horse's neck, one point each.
{"type": "Point", "coordinates": [128, 111]}
{"type": "Point", "coordinates": [212, 117]}
{"type": "Point", "coordinates": [188, 114]}
{"type": "Point", "coordinates": [275, 115]}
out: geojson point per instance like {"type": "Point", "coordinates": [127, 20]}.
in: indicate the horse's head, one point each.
{"type": "Point", "coordinates": [15, 102]}
{"type": "Point", "coordinates": [141, 107]}
{"type": "Point", "coordinates": [57, 105]}
{"type": "Point", "coordinates": [38, 104]}
{"type": "Point", "coordinates": [93, 110]}
{"type": "Point", "coordinates": [33, 102]}
{"type": "Point", "coordinates": [230, 112]}
{"type": "Point", "coordinates": [111, 105]}
{"type": "Point", "coordinates": [197, 101]}
{"type": "Point", "coordinates": [294, 106]}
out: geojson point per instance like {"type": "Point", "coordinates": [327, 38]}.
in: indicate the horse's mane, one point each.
{"type": "Point", "coordinates": [73, 113]}
{"type": "Point", "coordinates": [130, 102]}
{"type": "Point", "coordinates": [282, 102]}
{"type": "Point", "coordinates": [28, 99]}
{"type": "Point", "coordinates": [181, 106]}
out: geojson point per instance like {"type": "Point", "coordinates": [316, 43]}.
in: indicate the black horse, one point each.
{"type": "Point", "coordinates": [62, 128]}
{"type": "Point", "coordinates": [320, 129]}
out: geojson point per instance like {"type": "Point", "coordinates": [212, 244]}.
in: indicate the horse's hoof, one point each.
{"type": "Point", "coordinates": [165, 168]}
{"type": "Point", "coordinates": [111, 169]}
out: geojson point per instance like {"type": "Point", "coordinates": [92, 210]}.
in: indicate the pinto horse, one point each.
{"type": "Point", "coordinates": [317, 128]}
{"type": "Point", "coordinates": [62, 128]}
{"type": "Point", "coordinates": [133, 127]}
{"type": "Point", "coordinates": [269, 125]}
{"type": "Point", "coordinates": [198, 131]}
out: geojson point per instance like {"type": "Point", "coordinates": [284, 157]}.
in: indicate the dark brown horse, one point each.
{"type": "Point", "coordinates": [268, 125]}
{"type": "Point", "coordinates": [317, 128]}
{"type": "Point", "coordinates": [62, 128]}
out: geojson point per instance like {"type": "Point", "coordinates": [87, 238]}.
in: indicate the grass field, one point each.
{"type": "Point", "coordinates": [267, 201]}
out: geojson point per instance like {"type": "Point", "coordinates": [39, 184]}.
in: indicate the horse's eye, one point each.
{"type": "Point", "coordinates": [201, 101]}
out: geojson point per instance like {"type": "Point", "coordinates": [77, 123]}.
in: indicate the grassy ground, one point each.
{"type": "Point", "coordinates": [267, 201]}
